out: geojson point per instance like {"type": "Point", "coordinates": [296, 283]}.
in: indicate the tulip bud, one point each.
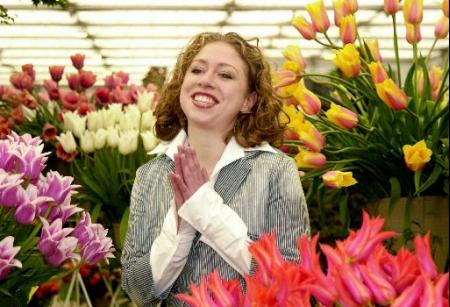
{"type": "Point", "coordinates": [145, 100]}
{"type": "Point", "coordinates": [283, 78]}
{"type": "Point", "coordinates": [311, 137]}
{"type": "Point", "coordinates": [149, 139]}
{"type": "Point", "coordinates": [338, 179]}
{"type": "Point", "coordinates": [309, 102]}
{"type": "Point", "coordinates": [413, 35]}
{"type": "Point", "coordinates": [319, 17]}
{"type": "Point", "coordinates": [347, 29]}
{"type": "Point", "coordinates": [435, 76]}
{"type": "Point", "coordinates": [56, 72]}
{"type": "Point", "coordinates": [377, 72]}
{"type": "Point", "coordinates": [87, 78]}
{"type": "Point", "coordinates": [67, 142]}
{"type": "Point", "coordinates": [304, 27]}
{"type": "Point", "coordinates": [348, 61]}
{"type": "Point", "coordinates": [100, 138]}
{"type": "Point", "coordinates": [78, 60]}
{"type": "Point", "coordinates": [293, 53]}
{"type": "Point", "coordinates": [391, 6]}
{"type": "Point", "coordinates": [87, 141]}
{"type": "Point", "coordinates": [7, 254]}
{"type": "Point", "coordinates": [309, 159]}
{"type": "Point", "coordinates": [48, 132]}
{"type": "Point", "coordinates": [128, 142]}
{"type": "Point", "coordinates": [413, 11]}
{"type": "Point", "coordinates": [417, 155]}
{"type": "Point", "coordinates": [441, 29]}
{"type": "Point", "coordinates": [112, 137]}
{"type": "Point", "coordinates": [339, 11]}
{"type": "Point", "coordinates": [391, 94]}
{"type": "Point", "coordinates": [445, 7]}
{"type": "Point", "coordinates": [341, 116]}
{"type": "Point", "coordinates": [375, 50]}
{"type": "Point", "coordinates": [351, 6]}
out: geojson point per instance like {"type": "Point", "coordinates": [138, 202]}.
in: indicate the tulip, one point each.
{"type": "Point", "coordinates": [423, 251]}
{"type": "Point", "coordinates": [99, 138]}
{"type": "Point", "coordinates": [49, 132]}
{"type": "Point", "coordinates": [293, 53]}
{"type": "Point", "coordinates": [311, 137]}
{"type": "Point", "coordinates": [145, 100]}
{"type": "Point", "coordinates": [130, 120]}
{"type": "Point", "coordinates": [69, 100]}
{"type": "Point", "coordinates": [410, 296]}
{"type": "Point", "coordinates": [30, 205]}
{"type": "Point", "coordinates": [354, 285]}
{"type": "Point", "coordinates": [7, 254]}
{"type": "Point", "coordinates": [94, 121]}
{"type": "Point", "coordinates": [84, 108]}
{"type": "Point", "coordinates": [123, 77]}
{"type": "Point", "coordinates": [67, 141]}
{"type": "Point", "coordinates": [319, 17]}
{"type": "Point", "coordinates": [441, 289]}
{"type": "Point", "coordinates": [292, 66]}
{"type": "Point", "coordinates": [304, 27]}
{"type": "Point", "coordinates": [102, 96]}
{"type": "Point", "coordinates": [309, 102]}
{"type": "Point", "coordinates": [120, 96]}
{"type": "Point", "coordinates": [338, 179]}
{"type": "Point", "coordinates": [54, 243]}
{"type": "Point", "coordinates": [148, 120]}
{"type": "Point", "coordinates": [377, 72]}
{"type": "Point", "coordinates": [11, 191]}
{"type": "Point", "coordinates": [56, 186]}
{"type": "Point", "coordinates": [441, 29]}
{"type": "Point", "coordinates": [17, 115]}
{"type": "Point", "coordinates": [112, 137]}
{"type": "Point", "coordinates": [445, 7]}
{"type": "Point", "coordinates": [341, 116]}
{"type": "Point", "coordinates": [347, 60]}
{"type": "Point", "coordinates": [309, 159]}
{"type": "Point", "coordinates": [63, 211]}
{"type": "Point", "coordinates": [351, 6]}
{"type": "Point", "coordinates": [391, 6]}
{"type": "Point", "coordinates": [220, 292]}
{"type": "Point", "coordinates": [21, 81]}
{"type": "Point", "coordinates": [413, 35]}
{"type": "Point", "coordinates": [74, 123]}
{"type": "Point", "coordinates": [391, 94]}
{"type": "Point", "coordinates": [31, 160]}
{"type": "Point", "coordinates": [417, 155]}
{"type": "Point", "coordinates": [56, 72]}
{"type": "Point", "coordinates": [413, 11]}
{"type": "Point", "coordinates": [339, 11]}
{"type": "Point", "coordinates": [435, 76]}
{"type": "Point", "coordinates": [128, 142]}
{"type": "Point", "coordinates": [283, 78]}
{"type": "Point", "coordinates": [87, 141]}
{"type": "Point", "coordinates": [375, 50]}
{"type": "Point", "coordinates": [378, 284]}
{"type": "Point", "coordinates": [77, 60]}
{"type": "Point", "coordinates": [87, 78]}
{"type": "Point", "coordinates": [149, 139]}
{"type": "Point", "coordinates": [73, 80]}
{"type": "Point", "coordinates": [347, 29]}
{"type": "Point", "coordinates": [29, 70]}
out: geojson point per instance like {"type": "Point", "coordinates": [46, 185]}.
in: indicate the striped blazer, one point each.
{"type": "Point", "coordinates": [263, 188]}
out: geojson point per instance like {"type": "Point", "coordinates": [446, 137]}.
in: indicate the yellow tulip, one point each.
{"type": "Point", "coordinates": [293, 53]}
{"type": "Point", "coordinates": [319, 17]}
{"type": "Point", "coordinates": [341, 116]}
{"type": "Point", "coordinates": [445, 8]}
{"type": "Point", "coordinates": [377, 72]}
{"type": "Point", "coordinates": [311, 136]}
{"type": "Point", "coordinates": [391, 94]}
{"type": "Point", "coordinates": [417, 155]}
{"type": "Point", "coordinates": [338, 179]}
{"type": "Point", "coordinates": [339, 11]}
{"type": "Point", "coordinates": [351, 6]}
{"type": "Point", "coordinates": [375, 50]}
{"type": "Point", "coordinates": [283, 78]}
{"type": "Point", "coordinates": [413, 35]}
{"type": "Point", "coordinates": [435, 75]}
{"type": "Point", "coordinates": [309, 102]}
{"type": "Point", "coordinates": [441, 28]}
{"type": "Point", "coordinates": [304, 27]}
{"type": "Point", "coordinates": [413, 11]}
{"type": "Point", "coordinates": [309, 159]}
{"type": "Point", "coordinates": [347, 60]}
{"type": "Point", "coordinates": [347, 29]}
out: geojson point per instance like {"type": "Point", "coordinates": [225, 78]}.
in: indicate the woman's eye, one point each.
{"type": "Point", "coordinates": [196, 70]}
{"type": "Point", "coordinates": [226, 75]}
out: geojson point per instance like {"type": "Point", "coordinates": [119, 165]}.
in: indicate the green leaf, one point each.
{"type": "Point", "coordinates": [409, 86]}
{"type": "Point", "coordinates": [437, 171]}
{"type": "Point", "coordinates": [343, 211]}
{"type": "Point", "coordinates": [395, 193]}
{"type": "Point", "coordinates": [123, 227]}
{"type": "Point", "coordinates": [95, 212]}
{"type": "Point", "coordinates": [417, 176]}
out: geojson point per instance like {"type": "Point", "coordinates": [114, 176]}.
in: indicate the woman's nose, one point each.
{"type": "Point", "coordinates": [206, 80]}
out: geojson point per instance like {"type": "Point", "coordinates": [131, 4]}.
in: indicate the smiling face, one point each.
{"type": "Point", "coordinates": [215, 88]}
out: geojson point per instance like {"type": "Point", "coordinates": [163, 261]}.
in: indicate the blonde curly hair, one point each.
{"type": "Point", "coordinates": [262, 123]}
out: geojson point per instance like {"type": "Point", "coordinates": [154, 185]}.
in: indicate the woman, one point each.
{"type": "Point", "coordinates": [217, 183]}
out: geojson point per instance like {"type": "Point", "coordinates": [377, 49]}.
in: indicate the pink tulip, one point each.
{"type": "Point", "coordinates": [441, 28]}
{"type": "Point", "coordinates": [120, 96]}
{"type": "Point", "coordinates": [21, 81]}
{"type": "Point", "coordinates": [347, 29]}
{"type": "Point", "coordinates": [87, 78]}
{"type": "Point", "coordinates": [340, 10]}
{"type": "Point", "coordinates": [341, 116]}
{"type": "Point", "coordinates": [11, 191]}
{"type": "Point", "coordinates": [311, 137]}
{"type": "Point", "coordinates": [123, 77]}
{"type": "Point", "coordinates": [413, 11]}
{"type": "Point", "coordinates": [423, 250]}
{"type": "Point", "coordinates": [375, 50]}
{"type": "Point", "coordinates": [391, 6]}
{"type": "Point", "coordinates": [378, 284]}
{"type": "Point", "coordinates": [56, 186]}
{"type": "Point", "coordinates": [31, 161]}
{"type": "Point", "coordinates": [413, 34]}
{"type": "Point", "coordinates": [319, 17]}
{"type": "Point", "coordinates": [309, 102]}
{"type": "Point", "coordinates": [349, 277]}
{"type": "Point", "coordinates": [404, 269]}
{"type": "Point", "coordinates": [52, 89]}
{"type": "Point", "coordinates": [441, 290]}
{"type": "Point", "coordinates": [309, 159]}
{"type": "Point", "coordinates": [304, 27]}
{"type": "Point", "coordinates": [69, 100]}
{"type": "Point", "coordinates": [7, 254]}
{"type": "Point", "coordinates": [410, 296]}
{"type": "Point", "coordinates": [56, 72]}
{"type": "Point", "coordinates": [221, 294]}
{"type": "Point", "coordinates": [29, 70]}
{"type": "Point", "coordinates": [283, 78]}
{"type": "Point", "coordinates": [73, 80]}
{"type": "Point", "coordinates": [78, 60]}
{"type": "Point", "coordinates": [377, 72]}
{"type": "Point", "coordinates": [351, 6]}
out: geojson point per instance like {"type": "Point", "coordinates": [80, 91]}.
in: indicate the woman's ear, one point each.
{"type": "Point", "coordinates": [249, 102]}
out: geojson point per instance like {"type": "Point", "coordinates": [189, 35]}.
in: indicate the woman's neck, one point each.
{"type": "Point", "coordinates": [208, 145]}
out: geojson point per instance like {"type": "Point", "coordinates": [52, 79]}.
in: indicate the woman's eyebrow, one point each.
{"type": "Point", "coordinates": [202, 61]}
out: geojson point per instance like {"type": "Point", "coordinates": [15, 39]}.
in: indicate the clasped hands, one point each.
{"type": "Point", "coordinates": [188, 177]}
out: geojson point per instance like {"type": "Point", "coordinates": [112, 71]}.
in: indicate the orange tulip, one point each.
{"type": "Point", "coordinates": [304, 27]}
{"type": "Point", "coordinates": [441, 28]}
{"type": "Point", "coordinates": [340, 11]}
{"type": "Point", "coordinates": [377, 72]}
{"type": "Point", "coordinates": [341, 116]}
{"type": "Point", "coordinates": [347, 60]}
{"type": "Point", "coordinates": [391, 6]}
{"type": "Point", "coordinates": [413, 35]}
{"type": "Point", "coordinates": [319, 17]}
{"type": "Point", "coordinates": [309, 159]}
{"type": "Point", "coordinates": [347, 30]}
{"type": "Point", "coordinates": [375, 50]}
{"type": "Point", "coordinates": [309, 102]}
{"type": "Point", "coordinates": [445, 8]}
{"type": "Point", "coordinates": [293, 53]}
{"type": "Point", "coordinates": [417, 155]}
{"type": "Point", "coordinates": [391, 94]}
{"type": "Point", "coordinates": [351, 6]}
{"type": "Point", "coordinates": [413, 11]}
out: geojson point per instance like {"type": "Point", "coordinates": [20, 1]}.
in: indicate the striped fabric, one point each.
{"type": "Point", "coordinates": [263, 188]}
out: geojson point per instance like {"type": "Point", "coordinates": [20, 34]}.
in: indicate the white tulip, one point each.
{"type": "Point", "coordinates": [148, 121]}
{"type": "Point", "coordinates": [112, 137]}
{"type": "Point", "coordinates": [67, 142]}
{"type": "Point", "coordinates": [52, 106]}
{"type": "Point", "coordinates": [94, 121]}
{"type": "Point", "coordinates": [145, 101]}
{"type": "Point", "coordinates": [100, 138]}
{"type": "Point", "coordinates": [28, 113]}
{"type": "Point", "coordinates": [87, 142]}
{"type": "Point", "coordinates": [74, 123]}
{"type": "Point", "coordinates": [130, 120]}
{"type": "Point", "coordinates": [110, 117]}
{"type": "Point", "coordinates": [149, 139]}
{"type": "Point", "coordinates": [128, 142]}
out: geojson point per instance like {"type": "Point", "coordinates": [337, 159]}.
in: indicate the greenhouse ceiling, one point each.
{"type": "Point", "coordinates": [133, 36]}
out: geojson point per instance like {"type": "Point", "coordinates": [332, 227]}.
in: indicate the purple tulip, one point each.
{"type": "Point", "coordinates": [56, 186]}
{"type": "Point", "coordinates": [31, 161]}
{"type": "Point", "coordinates": [54, 243]}
{"type": "Point", "coordinates": [7, 253]}
{"type": "Point", "coordinates": [63, 211]}
{"type": "Point", "coordinates": [25, 139]}
{"type": "Point", "coordinates": [7, 158]}
{"type": "Point", "coordinates": [11, 191]}
{"type": "Point", "coordinates": [27, 210]}
{"type": "Point", "coordinates": [92, 240]}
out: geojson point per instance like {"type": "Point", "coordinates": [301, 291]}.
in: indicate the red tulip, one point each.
{"type": "Point", "coordinates": [21, 81]}
{"type": "Point", "coordinates": [78, 60]}
{"type": "Point", "coordinates": [56, 72]}
{"type": "Point", "coordinates": [29, 70]}
{"type": "Point", "coordinates": [87, 78]}
{"type": "Point", "coordinates": [73, 80]}
{"type": "Point", "coordinates": [17, 115]}
{"type": "Point", "coordinates": [49, 132]}
{"type": "Point", "coordinates": [52, 89]}
{"type": "Point", "coordinates": [102, 96]}
{"type": "Point", "coordinates": [69, 100]}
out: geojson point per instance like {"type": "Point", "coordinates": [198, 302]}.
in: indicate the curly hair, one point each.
{"type": "Point", "coordinates": [260, 124]}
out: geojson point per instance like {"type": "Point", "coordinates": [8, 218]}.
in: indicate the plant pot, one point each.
{"type": "Point", "coordinates": [428, 213]}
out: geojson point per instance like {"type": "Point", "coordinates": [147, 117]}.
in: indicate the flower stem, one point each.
{"type": "Point", "coordinates": [325, 45]}
{"type": "Point", "coordinates": [397, 58]}
{"type": "Point", "coordinates": [431, 50]}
